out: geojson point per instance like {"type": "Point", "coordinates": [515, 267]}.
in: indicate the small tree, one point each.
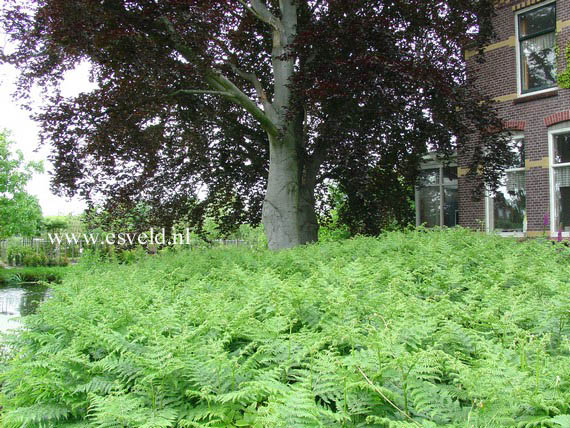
{"type": "Point", "coordinates": [20, 212]}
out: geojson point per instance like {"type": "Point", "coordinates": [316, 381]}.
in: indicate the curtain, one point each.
{"type": "Point", "coordinates": [538, 61]}
{"type": "Point", "coordinates": [562, 176]}
{"type": "Point", "coordinates": [516, 180]}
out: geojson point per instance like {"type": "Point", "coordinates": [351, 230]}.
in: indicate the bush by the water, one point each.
{"type": "Point", "coordinates": [32, 274]}
{"type": "Point", "coordinates": [432, 329]}
{"type": "Point", "coordinates": [34, 257]}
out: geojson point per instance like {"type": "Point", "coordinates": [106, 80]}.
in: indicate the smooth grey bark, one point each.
{"type": "Point", "coordinates": [289, 207]}
{"type": "Point", "coordinates": [289, 215]}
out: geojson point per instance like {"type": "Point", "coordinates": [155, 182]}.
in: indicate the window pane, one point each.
{"type": "Point", "coordinates": [562, 200]}
{"type": "Point", "coordinates": [429, 201]}
{"type": "Point", "coordinates": [537, 20]}
{"type": "Point", "coordinates": [538, 62]}
{"type": "Point", "coordinates": [509, 204]}
{"type": "Point", "coordinates": [563, 208]}
{"type": "Point", "coordinates": [450, 175]}
{"type": "Point", "coordinates": [450, 206]}
{"type": "Point", "coordinates": [518, 149]}
{"type": "Point", "coordinates": [429, 176]}
{"type": "Point", "coordinates": [562, 148]}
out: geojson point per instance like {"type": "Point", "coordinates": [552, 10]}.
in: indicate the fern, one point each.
{"type": "Point", "coordinates": [451, 328]}
{"type": "Point", "coordinates": [35, 415]}
{"type": "Point", "coordinates": [561, 420]}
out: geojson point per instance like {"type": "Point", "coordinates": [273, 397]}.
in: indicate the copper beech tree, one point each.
{"type": "Point", "coordinates": [244, 108]}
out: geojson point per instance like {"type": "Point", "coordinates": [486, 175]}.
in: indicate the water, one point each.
{"type": "Point", "coordinates": [19, 299]}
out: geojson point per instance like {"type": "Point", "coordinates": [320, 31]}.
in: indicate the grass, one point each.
{"type": "Point", "coordinates": [431, 329]}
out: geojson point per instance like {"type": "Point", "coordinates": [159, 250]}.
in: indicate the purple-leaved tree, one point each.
{"type": "Point", "coordinates": [255, 102]}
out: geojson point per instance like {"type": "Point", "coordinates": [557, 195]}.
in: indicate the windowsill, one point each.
{"type": "Point", "coordinates": [538, 95]}
{"type": "Point", "coordinates": [554, 235]}
{"type": "Point", "coordinates": [511, 234]}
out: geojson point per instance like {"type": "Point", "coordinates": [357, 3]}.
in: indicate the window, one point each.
{"type": "Point", "coordinates": [560, 180]}
{"type": "Point", "coordinates": [506, 209]}
{"type": "Point", "coordinates": [537, 38]}
{"type": "Point", "coordinates": [436, 197]}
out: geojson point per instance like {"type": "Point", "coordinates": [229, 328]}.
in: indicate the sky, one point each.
{"type": "Point", "coordinates": [25, 135]}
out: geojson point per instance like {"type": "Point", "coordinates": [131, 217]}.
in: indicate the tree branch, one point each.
{"type": "Point", "coordinates": [199, 92]}
{"type": "Point", "coordinates": [222, 85]}
{"type": "Point", "coordinates": [262, 13]}
{"type": "Point", "coordinates": [184, 50]}
{"type": "Point", "coordinates": [254, 80]}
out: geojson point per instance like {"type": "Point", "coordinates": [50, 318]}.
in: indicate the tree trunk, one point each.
{"type": "Point", "coordinates": [289, 206]}
{"type": "Point", "coordinates": [289, 215]}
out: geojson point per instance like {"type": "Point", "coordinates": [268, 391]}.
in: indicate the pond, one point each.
{"type": "Point", "coordinates": [19, 299]}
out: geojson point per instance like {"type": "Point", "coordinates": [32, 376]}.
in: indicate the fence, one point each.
{"type": "Point", "coordinates": [41, 246]}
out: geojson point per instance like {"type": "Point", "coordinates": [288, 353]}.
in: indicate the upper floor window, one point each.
{"type": "Point", "coordinates": [537, 38]}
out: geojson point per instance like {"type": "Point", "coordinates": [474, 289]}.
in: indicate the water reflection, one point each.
{"type": "Point", "coordinates": [19, 300]}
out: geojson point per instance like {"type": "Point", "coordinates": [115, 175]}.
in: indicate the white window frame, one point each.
{"type": "Point", "coordinates": [518, 51]}
{"type": "Point", "coordinates": [431, 162]}
{"type": "Point", "coordinates": [561, 128]}
{"type": "Point", "coordinates": [490, 203]}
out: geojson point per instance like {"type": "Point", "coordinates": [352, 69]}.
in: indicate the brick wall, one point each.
{"type": "Point", "coordinates": [497, 77]}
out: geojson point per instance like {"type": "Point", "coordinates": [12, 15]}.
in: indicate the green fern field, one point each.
{"type": "Point", "coordinates": [430, 329]}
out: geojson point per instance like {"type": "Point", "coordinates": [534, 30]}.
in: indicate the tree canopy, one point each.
{"type": "Point", "coordinates": [243, 109]}
{"type": "Point", "coordinates": [20, 212]}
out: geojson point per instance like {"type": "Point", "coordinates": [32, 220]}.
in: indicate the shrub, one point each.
{"type": "Point", "coordinates": [131, 256]}
{"type": "Point", "coordinates": [32, 274]}
{"type": "Point", "coordinates": [432, 329]}
{"type": "Point", "coordinates": [32, 257]}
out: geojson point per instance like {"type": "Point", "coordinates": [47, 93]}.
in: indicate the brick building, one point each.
{"type": "Point", "coordinates": [520, 75]}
